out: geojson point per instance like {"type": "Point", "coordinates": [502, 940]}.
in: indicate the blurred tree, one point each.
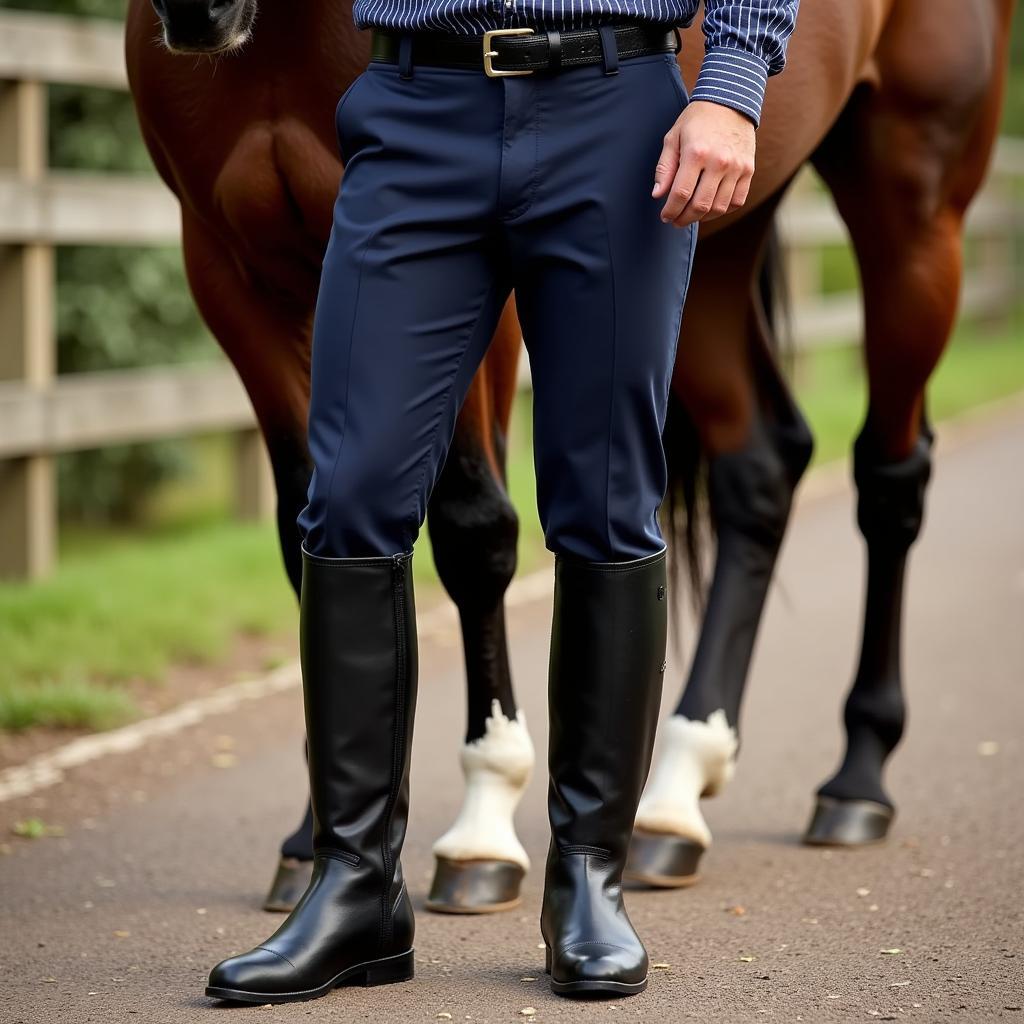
{"type": "Point", "coordinates": [116, 307]}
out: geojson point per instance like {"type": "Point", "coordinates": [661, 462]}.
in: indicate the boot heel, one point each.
{"type": "Point", "coordinates": [389, 971]}
{"type": "Point", "coordinates": [547, 959]}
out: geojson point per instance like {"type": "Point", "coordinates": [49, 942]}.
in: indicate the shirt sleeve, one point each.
{"type": "Point", "coordinates": [746, 43]}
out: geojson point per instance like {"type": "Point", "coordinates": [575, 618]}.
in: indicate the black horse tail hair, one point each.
{"type": "Point", "coordinates": [685, 513]}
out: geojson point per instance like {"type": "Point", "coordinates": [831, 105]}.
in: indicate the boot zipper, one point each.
{"type": "Point", "coordinates": [397, 748]}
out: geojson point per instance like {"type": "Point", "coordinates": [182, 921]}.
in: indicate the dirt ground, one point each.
{"type": "Point", "coordinates": [166, 851]}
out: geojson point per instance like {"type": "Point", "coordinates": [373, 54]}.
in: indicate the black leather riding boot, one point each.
{"type": "Point", "coordinates": [354, 924]}
{"type": "Point", "coordinates": [604, 689]}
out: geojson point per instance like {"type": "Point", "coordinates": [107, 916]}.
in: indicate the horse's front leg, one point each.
{"type": "Point", "coordinates": [750, 493]}
{"type": "Point", "coordinates": [480, 862]}
{"type": "Point", "coordinates": [756, 446]}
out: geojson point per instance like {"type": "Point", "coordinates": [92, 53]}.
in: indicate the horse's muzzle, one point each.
{"type": "Point", "coordinates": [205, 26]}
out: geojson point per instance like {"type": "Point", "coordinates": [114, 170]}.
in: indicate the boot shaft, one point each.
{"type": "Point", "coordinates": [607, 664]}
{"type": "Point", "coordinates": [359, 667]}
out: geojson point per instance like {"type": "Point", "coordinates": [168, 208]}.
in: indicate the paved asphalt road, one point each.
{"type": "Point", "coordinates": [121, 918]}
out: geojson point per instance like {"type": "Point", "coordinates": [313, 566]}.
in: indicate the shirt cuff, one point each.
{"type": "Point", "coordinates": [734, 78]}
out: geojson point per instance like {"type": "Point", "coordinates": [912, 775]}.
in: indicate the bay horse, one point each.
{"type": "Point", "coordinates": [894, 102]}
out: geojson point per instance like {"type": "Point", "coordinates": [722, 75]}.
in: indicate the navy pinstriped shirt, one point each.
{"type": "Point", "coordinates": [745, 39]}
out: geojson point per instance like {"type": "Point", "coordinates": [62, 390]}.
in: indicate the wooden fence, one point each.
{"type": "Point", "coordinates": [42, 414]}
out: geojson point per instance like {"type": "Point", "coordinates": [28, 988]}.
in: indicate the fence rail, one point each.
{"type": "Point", "coordinates": [68, 208]}
{"type": "Point", "coordinates": [91, 410]}
{"type": "Point", "coordinates": [42, 414]}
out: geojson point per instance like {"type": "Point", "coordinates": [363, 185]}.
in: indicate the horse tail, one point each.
{"type": "Point", "coordinates": [686, 515]}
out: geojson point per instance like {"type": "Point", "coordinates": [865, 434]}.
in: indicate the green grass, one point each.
{"type": "Point", "coordinates": [121, 608]}
{"type": "Point", "coordinates": [125, 609]}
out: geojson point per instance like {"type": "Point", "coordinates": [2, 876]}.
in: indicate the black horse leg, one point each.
{"type": "Point", "coordinates": [473, 533]}
{"type": "Point", "coordinates": [289, 460]}
{"type": "Point", "coordinates": [480, 862]}
{"type": "Point", "coordinates": [751, 492]}
{"type": "Point", "coordinates": [853, 806]}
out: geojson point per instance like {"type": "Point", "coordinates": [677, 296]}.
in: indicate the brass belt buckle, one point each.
{"type": "Point", "coordinates": [489, 69]}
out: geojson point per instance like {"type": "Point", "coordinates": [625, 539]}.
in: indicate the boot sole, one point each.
{"type": "Point", "coordinates": [387, 971]}
{"type": "Point", "coordinates": [578, 989]}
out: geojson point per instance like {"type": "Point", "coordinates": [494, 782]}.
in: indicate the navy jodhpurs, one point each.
{"type": "Point", "coordinates": [459, 188]}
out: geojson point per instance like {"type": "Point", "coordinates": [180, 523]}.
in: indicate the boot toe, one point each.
{"type": "Point", "coordinates": [258, 973]}
{"type": "Point", "coordinates": [598, 965]}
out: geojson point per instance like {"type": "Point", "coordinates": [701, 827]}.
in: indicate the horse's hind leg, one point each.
{"type": "Point", "coordinates": [853, 807]}
{"type": "Point", "coordinates": [756, 446]}
{"type": "Point", "coordinates": [902, 171]}
{"type": "Point", "coordinates": [911, 280]}
{"type": "Point", "coordinates": [909, 312]}
{"type": "Point", "coordinates": [480, 863]}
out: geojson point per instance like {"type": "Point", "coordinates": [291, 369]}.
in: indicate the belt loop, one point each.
{"type": "Point", "coordinates": [554, 49]}
{"type": "Point", "coordinates": [405, 55]}
{"type": "Point", "coordinates": [609, 49]}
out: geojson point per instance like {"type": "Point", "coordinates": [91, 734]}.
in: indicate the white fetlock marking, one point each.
{"type": "Point", "coordinates": [697, 758]}
{"type": "Point", "coordinates": [497, 768]}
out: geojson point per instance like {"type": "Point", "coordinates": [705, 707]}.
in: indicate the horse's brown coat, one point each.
{"type": "Point", "coordinates": [896, 103]}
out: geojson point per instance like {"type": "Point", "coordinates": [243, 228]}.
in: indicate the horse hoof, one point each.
{"type": "Point", "coordinates": [661, 860]}
{"type": "Point", "coordinates": [474, 886]}
{"type": "Point", "coordinates": [290, 882]}
{"type": "Point", "coordinates": [848, 822]}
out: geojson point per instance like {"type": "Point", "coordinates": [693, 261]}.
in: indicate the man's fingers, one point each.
{"type": "Point", "coordinates": [723, 201]}
{"type": "Point", "coordinates": [739, 197]}
{"type": "Point", "coordinates": [668, 164]}
{"type": "Point", "coordinates": [684, 187]}
{"type": "Point", "coordinates": [701, 200]}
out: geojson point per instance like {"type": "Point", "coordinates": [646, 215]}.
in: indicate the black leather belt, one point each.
{"type": "Point", "coordinates": [521, 51]}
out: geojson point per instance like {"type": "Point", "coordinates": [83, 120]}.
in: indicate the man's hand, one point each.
{"type": "Point", "coordinates": [706, 164]}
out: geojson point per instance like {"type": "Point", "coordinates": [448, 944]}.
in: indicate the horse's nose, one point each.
{"type": "Point", "coordinates": [199, 24]}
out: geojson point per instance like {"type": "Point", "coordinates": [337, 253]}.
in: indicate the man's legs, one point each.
{"type": "Point", "coordinates": [411, 290]}
{"type": "Point", "coordinates": [600, 283]}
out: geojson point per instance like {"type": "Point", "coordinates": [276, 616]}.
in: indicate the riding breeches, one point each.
{"type": "Point", "coordinates": [458, 189]}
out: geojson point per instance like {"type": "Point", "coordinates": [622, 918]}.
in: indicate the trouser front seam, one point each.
{"type": "Point", "coordinates": [348, 380]}
{"type": "Point", "coordinates": [412, 519]}
{"type": "Point", "coordinates": [611, 394]}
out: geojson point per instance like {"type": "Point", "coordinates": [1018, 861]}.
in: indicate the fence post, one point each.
{"type": "Point", "coordinates": [996, 255]}
{"type": "Point", "coordinates": [803, 262]}
{"type": "Point", "coordinates": [255, 496]}
{"type": "Point", "coordinates": [28, 514]}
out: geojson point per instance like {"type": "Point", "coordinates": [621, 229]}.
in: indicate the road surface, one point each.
{"type": "Point", "coordinates": [166, 852]}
